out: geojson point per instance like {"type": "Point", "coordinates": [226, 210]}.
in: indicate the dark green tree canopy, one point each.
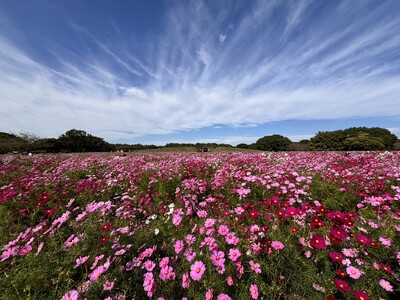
{"type": "Point", "coordinates": [79, 141]}
{"type": "Point", "coordinates": [273, 142]}
{"type": "Point", "coordinates": [354, 138]}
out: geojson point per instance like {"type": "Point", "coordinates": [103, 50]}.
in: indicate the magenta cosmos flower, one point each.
{"type": "Point", "coordinates": [234, 254]}
{"type": "Point", "coordinates": [71, 295]}
{"type": "Point", "coordinates": [342, 285]}
{"type": "Point", "coordinates": [254, 291]}
{"type": "Point", "coordinates": [197, 270]}
{"type": "Point", "coordinates": [209, 295]}
{"type": "Point", "coordinates": [178, 246]}
{"type": "Point", "coordinates": [317, 242]}
{"type": "Point", "coordinates": [360, 295]}
{"type": "Point", "coordinates": [277, 245]}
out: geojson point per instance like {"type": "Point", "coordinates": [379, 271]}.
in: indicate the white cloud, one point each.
{"type": "Point", "coordinates": [222, 38]}
{"type": "Point", "coordinates": [188, 82]}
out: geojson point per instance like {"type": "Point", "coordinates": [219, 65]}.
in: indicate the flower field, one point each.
{"type": "Point", "coordinates": [310, 225]}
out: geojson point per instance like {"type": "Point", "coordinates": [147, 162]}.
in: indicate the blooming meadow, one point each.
{"type": "Point", "coordinates": [200, 226]}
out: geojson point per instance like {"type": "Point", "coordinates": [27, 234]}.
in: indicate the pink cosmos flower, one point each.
{"type": "Point", "coordinates": [197, 270]}
{"type": "Point", "coordinates": [71, 295]}
{"type": "Point", "coordinates": [148, 284]}
{"type": "Point", "coordinates": [108, 285]}
{"type": "Point", "coordinates": [277, 245]}
{"type": "Point", "coordinates": [386, 285]}
{"type": "Point", "coordinates": [209, 295]}
{"type": "Point", "coordinates": [176, 220]}
{"type": "Point", "coordinates": [185, 281]}
{"type": "Point", "coordinates": [255, 267]}
{"type": "Point", "coordinates": [166, 273]}
{"type": "Point", "coordinates": [190, 239]}
{"type": "Point", "coordinates": [218, 258]}
{"type": "Point", "coordinates": [209, 223]}
{"type": "Point", "coordinates": [239, 210]}
{"type": "Point", "coordinates": [96, 273]}
{"type": "Point", "coordinates": [254, 291]}
{"type": "Point", "coordinates": [234, 254]}
{"type": "Point", "coordinates": [178, 246]}
{"type": "Point", "coordinates": [149, 265]}
{"type": "Point", "coordinates": [164, 262]}
{"type": "Point", "coordinates": [387, 242]}
{"type": "Point", "coordinates": [202, 213]}
{"type": "Point", "coordinates": [223, 297]}
{"type": "Point", "coordinates": [223, 230]}
{"type": "Point", "coordinates": [189, 254]}
{"type": "Point", "coordinates": [256, 247]}
{"type": "Point", "coordinates": [84, 287]}
{"type": "Point", "coordinates": [229, 281]}
{"type": "Point", "coordinates": [353, 272]}
{"type": "Point", "coordinates": [81, 260]}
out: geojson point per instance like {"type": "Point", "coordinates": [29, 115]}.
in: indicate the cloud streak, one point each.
{"type": "Point", "coordinates": [308, 64]}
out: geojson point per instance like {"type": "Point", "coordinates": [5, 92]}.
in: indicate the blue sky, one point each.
{"type": "Point", "coordinates": [193, 71]}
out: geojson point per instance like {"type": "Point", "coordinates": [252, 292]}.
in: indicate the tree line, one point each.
{"type": "Point", "coordinates": [350, 139]}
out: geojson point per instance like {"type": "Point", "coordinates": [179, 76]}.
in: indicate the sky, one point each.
{"type": "Point", "coordinates": [224, 71]}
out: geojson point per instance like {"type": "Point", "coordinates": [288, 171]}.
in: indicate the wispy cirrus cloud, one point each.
{"type": "Point", "coordinates": [282, 60]}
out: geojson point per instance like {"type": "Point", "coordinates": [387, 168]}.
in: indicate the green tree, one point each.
{"type": "Point", "coordinates": [10, 142]}
{"type": "Point", "coordinates": [273, 142]}
{"type": "Point", "coordinates": [327, 141]}
{"type": "Point", "coordinates": [79, 141]}
{"type": "Point", "coordinates": [335, 140]}
{"type": "Point", "coordinates": [48, 145]}
{"type": "Point", "coordinates": [363, 141]}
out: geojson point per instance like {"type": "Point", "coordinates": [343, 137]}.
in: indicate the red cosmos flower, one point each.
{"type": "Point", "coordinates": [317, 242]}
{"type": "Point", "coordinates": [387, 268]}
{"type": "Point", "coordinates": [363, 240]}
{"type": "Point", "coordinates": [360, 295]}
{"type": "Point", "coordinates": [293, 229]}
{"type": "Point", "coordinates": [342, 285]}
{"type": "Point", "coordinates": [334, 240]}
{"type": "Point", "coordinates": [103, 239]}
{"type": "Point", "coordinates": [341, 273]}
{"type": "Point", "coordinates": [281, 214]}
{"type": "Point", "coordinates": [316, 222]}
{"type": "Point", "coordinates": [348, 221]}
{"type": "Point", "coordinates": [331, 297]}
{"type": "Point", "coordinates": [336, 217]}
{"type": "Point", "coordinates": [292, 211]}
{"type": "Point", "coordinates": [336, 256]}
{"type": "Point", "coordinates": [254, 214]}
{"type": "Point", "coordinates": [374, 244]}
{"type": "Point", "coordinates": [48, 212]}
{"type": "Point", "coordinates": [338, 233]}
{"type": "Point", "coordinates": [107, 226]}
{"type": "Point", "coordinates": [322, 210]}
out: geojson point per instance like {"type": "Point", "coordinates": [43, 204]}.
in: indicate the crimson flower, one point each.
{"type": "Point", "coordinates": [254, 214]}
{"type": "Point", "coordinates": [387, 268]}
{"type": "Point", "coordinates": [335, 256]}
{"type": "Point", "coordinates": [107, 226]}
{"type": "Point", "coordinates": [48, 212]}
{"type": "Point", "coordinates": [292, 211]}
{"type": "Point", "coordinates": [341, 273]}
{"type": "Point", "coordinates": [342, 285]}
{"type": "Point", "coordinates": [103, 239]}
{"type": "Point", "coordinates": [360, 295]}
{"type": "Point", "coordinates": [317, 242]}
{"type": "Point", "coordinates": [363, 240]}
{"type": "Point", "coordinates": [338, 233]}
